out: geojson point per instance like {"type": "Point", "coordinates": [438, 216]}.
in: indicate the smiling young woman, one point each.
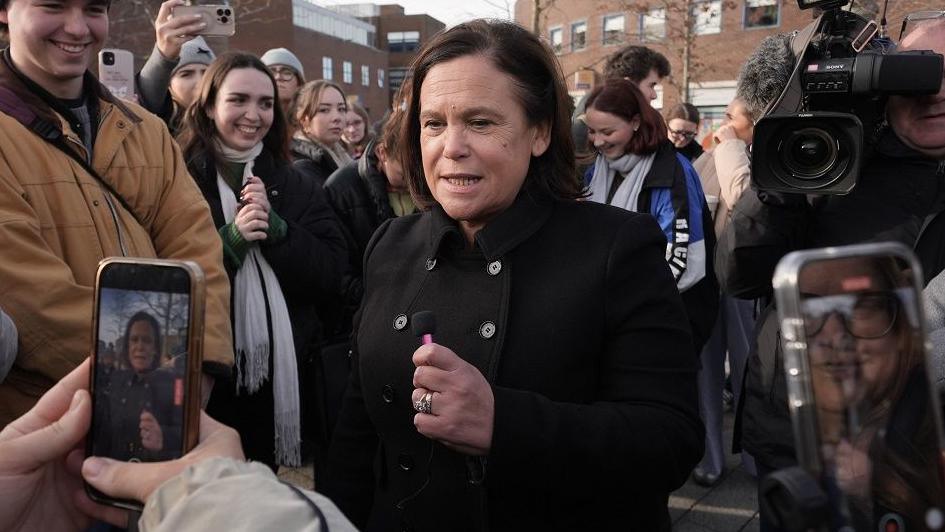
{"type": "Point", "coordinates": [282, 250]}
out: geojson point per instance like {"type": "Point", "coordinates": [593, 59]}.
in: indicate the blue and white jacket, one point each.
{"type": "Point", "coordinates": [672, 193]}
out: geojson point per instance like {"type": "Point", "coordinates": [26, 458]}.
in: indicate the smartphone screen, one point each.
{"type": "Point", "coordinates": [877, 428]}
{"type": "Point", "coordinates": [143, 378]}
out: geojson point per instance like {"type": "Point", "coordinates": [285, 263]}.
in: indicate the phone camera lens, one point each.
{"type": "Point", "coordinates": [227, 12]}
{"type": "Point", "coordinates": [108, 58]}
{"type": "Point", "coordinates": [224, 19]}
{"type": "Point", "coordinates": [220, 12]}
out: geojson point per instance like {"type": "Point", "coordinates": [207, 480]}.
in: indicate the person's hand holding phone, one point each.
{"type": "Point", "coordinates": [172, 32]}
{"type": "Point", "coordinates": [726, 132]}
{"type": "Point", "coordinates": [152, 437]}
{"type": "Point", "coordinates": [137, 481]}
{"type": "Point", "coordinates": [40, 458]}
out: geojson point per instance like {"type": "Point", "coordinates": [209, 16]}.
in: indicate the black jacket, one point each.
{"type": "Point", "coordinates": [896, 187]}
{"type": "Point", "coordinates": [312, 161]}
{"type": "Point", "coordinates": [358, 193]}
{"type": "Point", "coordinates": [585, 341]}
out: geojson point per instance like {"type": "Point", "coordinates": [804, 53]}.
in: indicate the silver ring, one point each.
{"type": "Point", "coordinates": [424, 405]}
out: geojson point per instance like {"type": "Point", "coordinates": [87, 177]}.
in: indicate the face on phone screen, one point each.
{"type": "Point", "coordinates": [879, 444]}
{"type": "Point", "coordinates": [141, 361]}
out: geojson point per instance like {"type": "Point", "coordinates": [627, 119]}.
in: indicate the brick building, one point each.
{"type": "Point", "coordinates": [585, 32]}
{"type": "Point", "coordinates": [401, 35]}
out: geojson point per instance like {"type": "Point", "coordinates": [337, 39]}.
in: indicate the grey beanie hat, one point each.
{"type": "Point", "coordinates": [282, 56]}
{"type": "Point", "coordinates": [193, 51]}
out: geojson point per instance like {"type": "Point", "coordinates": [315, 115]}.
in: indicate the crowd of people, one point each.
{"type": "Point", "coordinates": [591, 269]}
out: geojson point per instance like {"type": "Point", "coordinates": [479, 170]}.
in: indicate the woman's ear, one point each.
{"type": "Point", "coordinates": [541, 140]}
{"type": "Point", "coordinates": [635, 123]}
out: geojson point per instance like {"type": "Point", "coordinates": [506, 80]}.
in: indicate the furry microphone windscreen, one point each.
{"type": "Point", "coordinates": [765, 73]}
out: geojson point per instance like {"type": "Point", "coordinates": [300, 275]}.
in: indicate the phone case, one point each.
{"type": "Point", "coordinates": [116, 70]}
{"type": "Point", "coordinates": [220, 19]}
{"type": "Point", "coordinates": [191, 389]}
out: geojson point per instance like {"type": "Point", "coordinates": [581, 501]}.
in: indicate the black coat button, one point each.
{"type": "Point", "coordinates": [405, 461]}
{"type": "Point", "coordinates": [388, 394]}
{"type": "Point", "coordinates": [487, 330]}
{"type": "Point", "coordinates": [400, 322]}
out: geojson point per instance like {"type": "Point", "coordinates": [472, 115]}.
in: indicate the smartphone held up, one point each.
{"type": "Point", "coordinates": [867, 416]}
{"type": "Point", "coordinates": [146, 357]}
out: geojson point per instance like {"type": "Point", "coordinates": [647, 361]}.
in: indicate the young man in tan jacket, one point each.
{"type": "Point", "coordinates": [83, 176]}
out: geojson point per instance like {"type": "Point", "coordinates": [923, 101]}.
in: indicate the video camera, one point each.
{"type": "Point", "coordinates": [811, 139]}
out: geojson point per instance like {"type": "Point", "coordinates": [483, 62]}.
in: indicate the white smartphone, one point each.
{"type": "Point", "coordinates": [116, 70]}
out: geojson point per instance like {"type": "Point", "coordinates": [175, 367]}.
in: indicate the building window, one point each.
{"type": "Point", "coordinates": [380, 78]}
{"type": "Point", "coordinates": [365, 75]}
{"type": "Point", "coordinates": [614, 29]}
{"type": "Point", "coordinates": [578, 36]}
{"type": "Point", "coordinates": [326, 68]}
{"type": "Point", "coordinates": [397, 77]}
{"type": "Point", "coordinates": [347, 72]}
{"type": "Point", "coordinates": [556, 38]}
{"type": "Point", "coordinates": [707, 16]}
{"type": "Point", "coordinates": [653, 25]}
{"type": "Point", "coordinates": [403, 41]}
{"type": "Point", "coordinates": [761, 13]}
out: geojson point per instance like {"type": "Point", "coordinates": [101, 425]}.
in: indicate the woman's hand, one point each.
{"type": "Point", "coordinates": [40, 488]}
{"type": "Point", "coordinates": [137, 481]}
{"type": "Point", "coordinates": [254, 192]}
{"type": "Point", "coordinates": [726, 132]}
{"type": "Point", "coordinates": [172, 32]}
{"type": "Point", "coordinates": [152, 437]}
{"type": "Point", "coordinates": [463, 406]}
{"type": "Point", "coordinates": [854, 468]}
{"type": "Point", "coordinates": [252, 221]}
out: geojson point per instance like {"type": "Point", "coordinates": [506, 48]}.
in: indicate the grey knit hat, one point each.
{"type": "Point", "coordinates": [193, 51]}
{"type": "Point", "coordinates": [282, 56]}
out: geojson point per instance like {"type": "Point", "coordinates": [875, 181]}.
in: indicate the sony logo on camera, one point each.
{"type": "Point", "coordinates": [811, 140]}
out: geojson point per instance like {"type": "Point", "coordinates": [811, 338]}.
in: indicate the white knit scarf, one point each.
{"type": "Point", "coordinates": [632, 167]}
{"type": "Point", "coordinates": [252, 330]}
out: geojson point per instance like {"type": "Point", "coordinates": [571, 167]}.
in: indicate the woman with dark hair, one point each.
{"type": "Point", "coordinates": [139, 427]}
{"type": "Point", "coordinates": [357, 134]}
{"type": "Point", "coordinates": [535, 393]}
{"type": "Point", "coordinates": [283, 250]}
{"type": "Point", "coordinates": [319, 112]}
{"type": "Point", "coordinates": [638, 169]}
{"type": "Point", "coordinates": [682, 123]}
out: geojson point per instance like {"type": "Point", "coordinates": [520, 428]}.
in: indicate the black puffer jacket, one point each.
{"type": "Point", "coordinates": [896, 187]}
{"type": "Point", "coordinates": [358, 193]}
{"type": "Point", "coordinates": [312, 161]}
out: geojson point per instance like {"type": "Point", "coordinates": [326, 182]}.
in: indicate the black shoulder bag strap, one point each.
{"type": "Point", "coordinates": [323, 523]}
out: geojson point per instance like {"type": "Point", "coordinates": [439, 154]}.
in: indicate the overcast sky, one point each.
{"type": "Point", "coordinates": [449, 11]}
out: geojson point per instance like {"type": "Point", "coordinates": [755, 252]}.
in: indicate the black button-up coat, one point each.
{"type": "Point", "coordinates": [571, 313]}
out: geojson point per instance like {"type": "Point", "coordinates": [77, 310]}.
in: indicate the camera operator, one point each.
{"type": "Point", "coordinates": [901, 181]}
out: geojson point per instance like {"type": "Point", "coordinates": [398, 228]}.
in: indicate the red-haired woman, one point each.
{"type": "Point", "coordinates": [637, 168]}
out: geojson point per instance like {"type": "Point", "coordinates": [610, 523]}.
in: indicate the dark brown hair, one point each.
{"type": "Point", "coordinates": [622, 98]}
{"type": "Point", "coordinates": [539, 89]}
{"type": "Point", "coordinates": [196, 137]}
{"type": "Point", "coordinates": [635, 62]}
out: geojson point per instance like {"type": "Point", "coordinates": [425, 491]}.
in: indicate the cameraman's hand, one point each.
{"type": "Point", "coordinates": [172, 32]}
{"type": "Point", "coordinates": [726, 132]}
{"type": "Point", "coordinates": [136, 481]}
{"type": "Point", "coordinates": [40, 488]}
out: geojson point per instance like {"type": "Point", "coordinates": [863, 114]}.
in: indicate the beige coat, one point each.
{"type": "Point", "coordinates": [57, 222]}
{"type": "Point", "coordinates": [725, 173]}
